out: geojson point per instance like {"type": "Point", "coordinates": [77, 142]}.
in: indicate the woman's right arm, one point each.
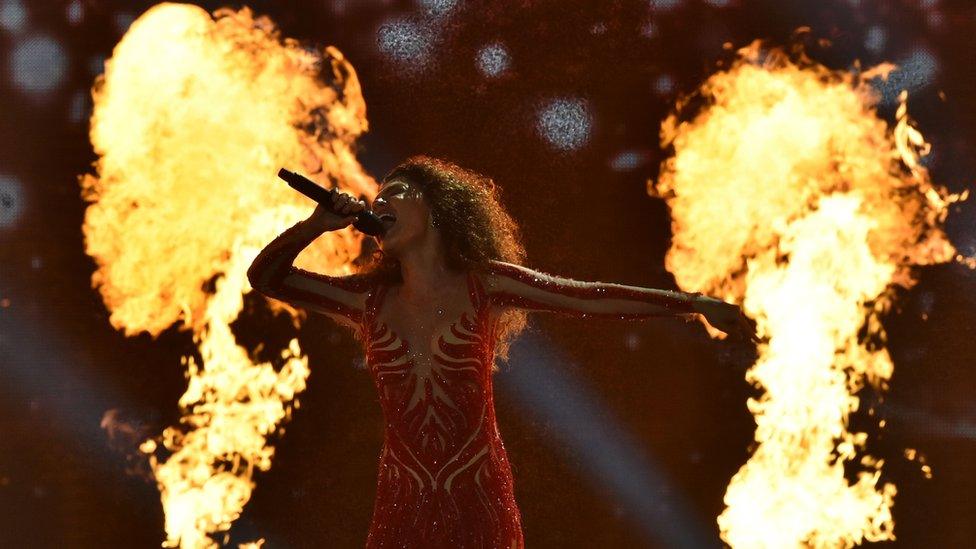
{"type": "Point", "coordinates": [273, 274]}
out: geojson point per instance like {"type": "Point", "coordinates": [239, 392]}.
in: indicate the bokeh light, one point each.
{"type": "Point", "coordinates": [629, 160]}
{"type": "Point", "coordinates": [75, 12]}
{"type": "Point", "coordinates": [80, 107]}
{"type": "Point", "coordinates": [875, 39]}
{"type": "Point", "coordinates": [665, 5]}
{"type": "Point", "coordinates": [565, 123]}
{"type": "Point", "coordinates": [38, 64]}
{"type": "Point", "coordinates": [438, 7]}
{"type": "Point", "coordinates": [664, 84]}
{"type": "Point", "coordinates": [493, 60]}
{"type": "Point", "coordinates": [407, 42]}
{"type": "Point", "coordinates": [915, 71]}
{"type": "Point", "coordinates": [13, 16]}
{"type": "Point", "coordinates": [11, 201]}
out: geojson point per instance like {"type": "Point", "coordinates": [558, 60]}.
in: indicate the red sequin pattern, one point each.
{"type": "Point", "coordinates": [444, 477]}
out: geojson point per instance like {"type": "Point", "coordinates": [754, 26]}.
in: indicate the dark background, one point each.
{"type": "Point", "coordinates": [676, 396]}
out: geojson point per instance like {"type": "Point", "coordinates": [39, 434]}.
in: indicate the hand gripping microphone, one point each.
{"type": "Point", "coordinates": [366, 221]}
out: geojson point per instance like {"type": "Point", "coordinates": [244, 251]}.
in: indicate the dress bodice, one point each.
{"type": "Point", "coordinates": [434, 399]}
{"type": "Point", "coordinates": [443, 468]}
{"type": "Point", "coordinates": [444, 477]}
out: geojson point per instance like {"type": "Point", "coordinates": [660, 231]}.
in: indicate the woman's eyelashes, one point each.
{"type": "Point", "coordinates": [390, 194]}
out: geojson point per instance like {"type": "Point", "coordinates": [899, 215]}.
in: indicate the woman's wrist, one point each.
{"type": "Point", "coordinates": [315, 226]}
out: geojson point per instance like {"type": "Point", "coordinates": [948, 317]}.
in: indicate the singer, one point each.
{"type": "Point", "coordinates": [442, 297]}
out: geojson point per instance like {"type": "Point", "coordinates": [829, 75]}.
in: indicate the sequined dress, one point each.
{"type": "Point", "coordinates": [444, 477]}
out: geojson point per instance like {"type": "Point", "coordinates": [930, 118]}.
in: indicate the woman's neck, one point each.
{"type": "Point", "coordinates": [424, 271]}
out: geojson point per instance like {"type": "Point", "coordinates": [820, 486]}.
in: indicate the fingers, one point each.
{"type": "Point", "coordinates": [740, 327]}
{"type": "Point", "coordinates": [345, 204]}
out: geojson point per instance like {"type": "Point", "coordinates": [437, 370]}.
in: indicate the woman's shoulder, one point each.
{"type": "Point", "coordinates": [493, 272]}
{"type": "Point", "coordinates": [480, 273]}
{"type": "Point", "coordinates": [491, 276]}
{"type": "Point", "coordinates": [490, 267]}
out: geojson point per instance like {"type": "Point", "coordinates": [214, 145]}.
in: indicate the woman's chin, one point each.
{"type": "Point", "coordinates": [389, 248]}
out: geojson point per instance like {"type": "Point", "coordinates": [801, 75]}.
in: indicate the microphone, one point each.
{"type": "Point", "coordinates": [366, 221]}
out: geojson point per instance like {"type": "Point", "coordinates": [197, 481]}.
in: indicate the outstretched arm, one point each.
{"type": "Point", "coordinates": [512, 285]}
{"type": "Point", "coordinates": [272, 273]}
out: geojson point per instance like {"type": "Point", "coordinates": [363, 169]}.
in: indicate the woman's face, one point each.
{"type": "Point", "coordinates": [401, 206]}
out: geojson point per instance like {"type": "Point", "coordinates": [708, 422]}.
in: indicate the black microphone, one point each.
{"type": "Point", "coordinates": [366, 221]}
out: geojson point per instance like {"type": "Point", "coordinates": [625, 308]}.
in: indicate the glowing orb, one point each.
{"type": "Point", "coordinates": [493, 60]}
{"type": "Point", "coordinates": [11, 201]}
{"type": "Point", "coordinates": [565, 123]}
{"type": "Point", "coordinates": [38, 64]}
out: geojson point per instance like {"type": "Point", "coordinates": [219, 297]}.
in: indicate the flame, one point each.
{"type": "Point", "coordinates": [193, 118]}
{"type": "Point", "coordinates": [791, 197]}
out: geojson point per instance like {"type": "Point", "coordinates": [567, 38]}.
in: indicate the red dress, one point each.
{"type": "Point", "coordinates": [444, 477]}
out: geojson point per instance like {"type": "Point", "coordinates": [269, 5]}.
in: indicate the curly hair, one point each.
{"type": "Point", "coordinates": [466, 208]}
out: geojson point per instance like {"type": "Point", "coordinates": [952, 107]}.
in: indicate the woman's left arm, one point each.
{"type": "Point", "coordinates": [507, 284]}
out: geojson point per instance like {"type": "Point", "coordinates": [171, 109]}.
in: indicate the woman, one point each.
{"type": "Point", "coordinates": [442, 297]}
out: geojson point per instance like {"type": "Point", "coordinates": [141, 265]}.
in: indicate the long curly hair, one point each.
{"type": "Point", "coordinates": [466, 208]}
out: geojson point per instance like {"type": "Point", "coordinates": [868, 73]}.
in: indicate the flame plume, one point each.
{"type": "Point", "coordinates": [193, 118]}
{"type": "Point", "coordinates": [791, 197]}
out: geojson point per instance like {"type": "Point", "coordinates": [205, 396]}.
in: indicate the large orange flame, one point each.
{"type": "Point", "coordinates": [193, 118]}
{"type": "Point", "coordinates": [791, 197]}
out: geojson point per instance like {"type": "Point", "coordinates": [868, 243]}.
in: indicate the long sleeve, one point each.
{"type": "Point", "coordinates": [516, 286]}
{"type": "Point", "coordinates": [272, 273]}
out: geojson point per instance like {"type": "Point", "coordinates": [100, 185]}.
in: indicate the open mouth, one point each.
{"type": "Point", "coordinates": [388, 220]}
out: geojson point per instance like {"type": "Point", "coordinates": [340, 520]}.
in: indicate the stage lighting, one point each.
{"type": "Point", "coordinates": [13, 16]}
{"type": "Point", "coordinates": [565, 123]}
{"type": "Point", "coordinates": [875, 39]}
{"type": "Point", "coordinates": [75, 12]}
{"type": "Point", "coordinates": [80, 108]}
{"type": "Point", "coordinates": [438, 7]}
{"type": "Point", "coordinates": [665, 5]}
{"type": "Point", "coordinates": [493, 60]}
{"type": "Point", "coordinates": [664, 84]}
{"type": "Point", "coordinates": [915, 72]}
{"type": "Point", "coordinates": [38, 64]}
{"type": "Point", "coordinates": [406, 41]}
{"type": "Point", "coordinates": [628, 160]}
{"type": "Point", "coordinates": [11, 201]}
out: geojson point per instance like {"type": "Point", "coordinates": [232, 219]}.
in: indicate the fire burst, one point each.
{"type": "Point", "coordinates": [792, 197]}
{"type": "Point", "coordinates": [193, 118]}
